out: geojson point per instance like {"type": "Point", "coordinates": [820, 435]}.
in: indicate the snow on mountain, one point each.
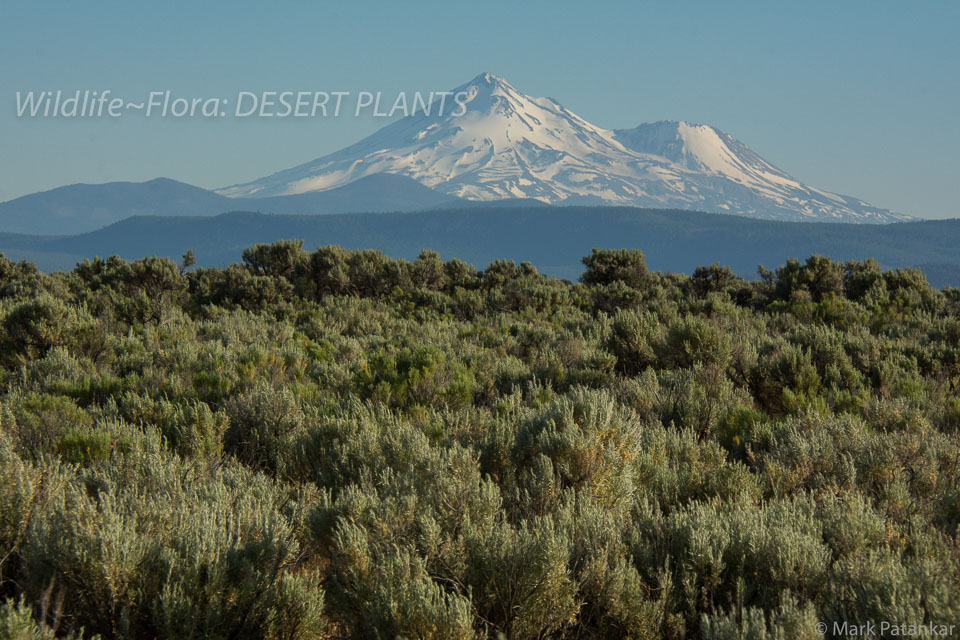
{"type": "Point", "coordinates": [509, 145]}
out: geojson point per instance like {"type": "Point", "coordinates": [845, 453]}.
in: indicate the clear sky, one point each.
{"type": "Point", "coordinates": [857, 97]}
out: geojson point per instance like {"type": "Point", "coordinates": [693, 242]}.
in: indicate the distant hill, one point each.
{"type": "Point", "coordinates": [80, 208]}
{"type": "Point", "coordinates": [552, 238]}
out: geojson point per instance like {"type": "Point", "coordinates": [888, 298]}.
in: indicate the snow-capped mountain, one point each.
{"type": "Point", "coordinates": [509, 145]}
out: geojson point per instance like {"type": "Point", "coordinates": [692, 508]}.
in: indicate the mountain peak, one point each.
{"type": "Point", "coordinates": [510, 145]}
{"type": "Point", "coordinates": [486, 77]}
{"type": "Point", "coordinates": [487, 92]}
{"type": "Point", "coordinates": [489, 79]}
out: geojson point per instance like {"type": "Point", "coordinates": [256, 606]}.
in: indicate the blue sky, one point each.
{"type": "Point", "coordinates": [857, 97]}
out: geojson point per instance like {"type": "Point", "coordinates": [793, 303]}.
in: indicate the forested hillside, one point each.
{"type": "Point", "coordinates": [337, 444]}
{"type": "Point", "coordinates": [552, 238]}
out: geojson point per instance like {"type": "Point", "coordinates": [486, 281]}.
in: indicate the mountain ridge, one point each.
{"type": "Point", "coordinates": [79, 208]}
{"type": "Point", "coordinates": [552, 238]}
{"type": "Point", "coordinates": [510, 145]}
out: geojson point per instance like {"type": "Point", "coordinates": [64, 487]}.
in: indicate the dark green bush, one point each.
{"type": "Point", "coordinates": [37, 325]}
{"type": "Point", "coordinates": [606, 266]}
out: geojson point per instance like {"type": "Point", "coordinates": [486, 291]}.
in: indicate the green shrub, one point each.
{"type": "Point", "coordinates": [17, 622]}
{"type": "Point", "coordinates": [519, 580]}
{"type": "Point", "coordinates": [605, 266]}
{"type": "Point", "coordinates": [789, 622]}
{"type": "Point", "coordinates": [634, 341]}
{"type": "Point", "coordinates": [281, 258]}
{"type": "Point", "coordinates": [589, 441]}
{"type": "Point", "coordinates": [143, 548]}
{"type": "Point", "coordinates": [191, 428]}
{"type": "Point", "coordinates": [85, 447]}
{"type": "Point", "coordinates": [263, 423]}
{"type": "Point", "coordinates": [415, 376]}
{"type": "Point", "coordinates": [138, 292]}
{"type": "Point", "coordinates": [37, 421]}
{"type": "Point", "coordinates": [35, 326]}
{"type": "Point", "coordinates": [712, 279]}
{"type": "Point", "coordinates": [387, 593]}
